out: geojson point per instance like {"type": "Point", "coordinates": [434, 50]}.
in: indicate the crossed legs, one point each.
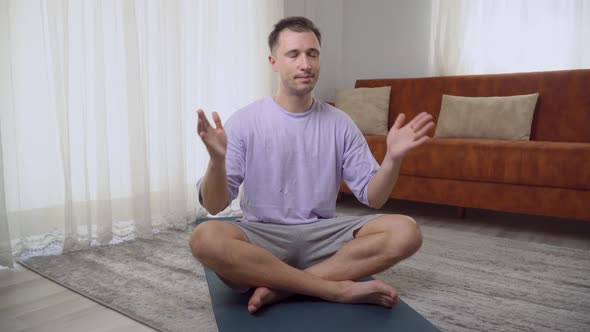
{"type": "Point", "coordinates": [378, 245]}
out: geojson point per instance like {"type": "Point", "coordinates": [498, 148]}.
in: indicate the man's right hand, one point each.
{"type": "Point", "coordinates": [214, 139]}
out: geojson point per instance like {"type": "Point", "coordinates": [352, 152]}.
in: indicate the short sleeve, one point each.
{"type": "Point", "coordinates": [358, 163]}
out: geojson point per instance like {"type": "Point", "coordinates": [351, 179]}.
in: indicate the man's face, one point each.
{"type": "Point", "coordinates": [296, 59]}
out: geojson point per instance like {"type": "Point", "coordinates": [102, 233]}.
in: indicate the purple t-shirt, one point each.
{"type": "Point", "coordinates": [291, 164]}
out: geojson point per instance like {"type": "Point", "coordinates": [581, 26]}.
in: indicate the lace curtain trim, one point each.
{"type": "Point", "coordinates": [52, 243]}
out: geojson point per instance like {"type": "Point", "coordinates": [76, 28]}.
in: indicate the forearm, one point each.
{"type": "Point", "coordinates": [382, 183]}
{"type": "Point", "coordinates": [214, 189]}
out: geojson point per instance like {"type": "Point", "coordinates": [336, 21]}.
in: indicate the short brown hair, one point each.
{"type": "Point", "coordinates": [294, 23]}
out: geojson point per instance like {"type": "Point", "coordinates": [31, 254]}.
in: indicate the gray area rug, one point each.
{"type": "Point", "coordinates": [460, 281]}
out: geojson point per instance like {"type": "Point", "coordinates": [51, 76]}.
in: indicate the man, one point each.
{"type": "Point", "coordinates": [291, 152]}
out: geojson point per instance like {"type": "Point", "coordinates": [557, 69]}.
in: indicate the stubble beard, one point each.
{"type": "Point", "coordinates": [299, 90]}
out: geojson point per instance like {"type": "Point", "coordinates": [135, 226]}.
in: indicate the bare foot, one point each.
{"type": "Point", "coordinates": [264, 296]}
{"type": "Point", "coordinates": [374, 292]}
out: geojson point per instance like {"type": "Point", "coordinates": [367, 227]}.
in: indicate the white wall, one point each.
{"type": "Point", "coordinates": [368, 39]}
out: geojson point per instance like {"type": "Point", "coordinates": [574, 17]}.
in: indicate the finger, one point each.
{"type": "Point", "coordinates": [421, 121]}
{"type": "Point", "coordinates": [417, 119]}
{"type": "Point", "coordinates": [217, 121]}
{"type": "Point", "coordinates": [425, 129]}
{"type": "Point", "coordinates": [399, 121]}
{"type": "Point", "coordinates": [420, 141]}
{"type": "Point", "coordinates": [201, 132]}
{"type": "Point", "coordinates": [200, 125]}
{"type": "Point", "coordinates": [203, 118]}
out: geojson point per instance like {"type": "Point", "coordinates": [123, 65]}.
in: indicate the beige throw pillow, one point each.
{"type": "Point", "coordinates": [368, 108]}
{"type": "Point", "coordinates": [505, 118]}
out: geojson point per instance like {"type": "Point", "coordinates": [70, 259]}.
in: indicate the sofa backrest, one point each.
{"type": "Point", "coordinates": [562, 113]}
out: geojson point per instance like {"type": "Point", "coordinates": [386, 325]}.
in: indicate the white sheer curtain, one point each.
{"type": "Point", "coordinates": [97, 122]}
{"type": "Point", "coordinates": [485, 36]}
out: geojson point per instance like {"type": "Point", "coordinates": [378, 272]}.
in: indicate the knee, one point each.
{"type": "Point", "coordinates": [405, 239]}
{"type": "Point", "coordinates": [414, 236]}
{"type": "Point", "coordinates": [201, 241]}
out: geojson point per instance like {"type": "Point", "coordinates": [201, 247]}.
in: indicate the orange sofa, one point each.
{"type": "Point", "coordinates": [548, 175]}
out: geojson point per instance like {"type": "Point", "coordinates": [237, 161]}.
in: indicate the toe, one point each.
{"type": "Point", "coordinates": [253, 305]}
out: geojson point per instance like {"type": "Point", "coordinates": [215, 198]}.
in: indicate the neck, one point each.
{"type": "Point", "coordinates": [293, 103]}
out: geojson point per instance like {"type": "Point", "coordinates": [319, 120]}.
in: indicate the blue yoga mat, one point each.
{"type": "Point", "coordinates": [303, 313]}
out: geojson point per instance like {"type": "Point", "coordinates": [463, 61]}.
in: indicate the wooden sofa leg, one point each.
{"type": "Point", "coordinates": [460, 212]}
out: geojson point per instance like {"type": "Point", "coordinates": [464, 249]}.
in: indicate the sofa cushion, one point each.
{"type": "Point", "coordinates": [553, 164]}
{"type": "Point", "coordinates": [368, 108]}
{"type": "Point", "coordinates": [561, 114]}
{"type": "Point", "coordinates": [508, 118]}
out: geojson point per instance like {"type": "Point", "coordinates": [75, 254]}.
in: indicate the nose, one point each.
{"type": "Point", "coordinates": [305, 63]}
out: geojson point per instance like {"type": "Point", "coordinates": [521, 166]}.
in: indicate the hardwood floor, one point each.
{"type": "Point", "coordinates": [29, 302]}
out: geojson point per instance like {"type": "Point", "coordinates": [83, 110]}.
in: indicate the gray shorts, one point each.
{"type": "Point", "coordinates": [302, 246]}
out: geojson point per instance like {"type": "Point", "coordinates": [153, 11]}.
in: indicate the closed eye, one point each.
{"type": "Point", "coordinates": [292, 54]}
{"type": "Point", "coordinates": [313, 53]}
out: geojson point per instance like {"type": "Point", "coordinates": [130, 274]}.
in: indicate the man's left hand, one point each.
{"type": "Point", "coordinates": [403, 138]}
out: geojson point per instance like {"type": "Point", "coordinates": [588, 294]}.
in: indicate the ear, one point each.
{"type": "Point", "coordinates": [273, 61]}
